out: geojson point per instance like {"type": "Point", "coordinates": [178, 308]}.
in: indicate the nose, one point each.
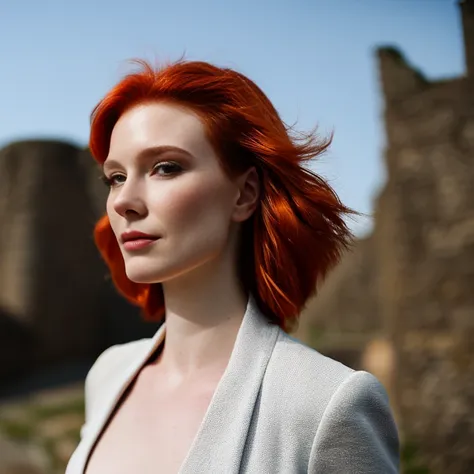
{"type": "Point", "coordinates": [128, 200]}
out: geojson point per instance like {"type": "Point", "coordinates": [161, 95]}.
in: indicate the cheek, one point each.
{"type": "Point", "coordinates": [200, 202]}
{"type": "Point", "coordinates": [113, 217]}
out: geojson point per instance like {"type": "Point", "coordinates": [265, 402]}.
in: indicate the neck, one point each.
{"type": "Point", "coordinates": [203, 316]}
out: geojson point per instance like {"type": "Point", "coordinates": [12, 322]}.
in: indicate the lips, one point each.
{"type": "Point", "coordinates": [136, 235]}
{"type": "Point", "coordinates": [135, 240]}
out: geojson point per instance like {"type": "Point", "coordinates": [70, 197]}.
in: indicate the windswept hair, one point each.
{"type": "Point", "coordinates": [297, 232]}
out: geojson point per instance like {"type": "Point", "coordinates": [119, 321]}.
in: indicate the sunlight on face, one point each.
{"type": "Point", "coordinates": [166, 182]}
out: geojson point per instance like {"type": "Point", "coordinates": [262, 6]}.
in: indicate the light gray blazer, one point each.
{"type": "Point", "coordinates": [280, 408]}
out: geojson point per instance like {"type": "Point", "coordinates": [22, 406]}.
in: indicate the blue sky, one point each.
{"type": "Point", "coordinates": [314, 59]}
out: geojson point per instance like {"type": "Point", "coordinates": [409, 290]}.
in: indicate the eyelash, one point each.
{"type": "Point", "coordinates": [110, 181]}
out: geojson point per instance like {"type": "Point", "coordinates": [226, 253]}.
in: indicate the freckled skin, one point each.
{"type": "Point", "coordinates": [192, 209]}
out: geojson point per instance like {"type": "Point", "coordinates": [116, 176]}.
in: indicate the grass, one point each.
{"type": "Point", "coordinates": [410, 460]}
{"type": "Point", "coordinates": [24, 421]}
{"type": "Point", "coordinates": [42, 412]}
{"type": "Point", "coordinates": [17, 430]}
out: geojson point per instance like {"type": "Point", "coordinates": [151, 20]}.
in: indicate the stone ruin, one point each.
{"type": "Point", "coordinates": [402, 303]}
{"type": "Point", "coordinates": [57, 303]}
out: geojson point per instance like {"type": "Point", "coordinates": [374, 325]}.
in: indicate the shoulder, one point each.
{"type": "Point", "coordinates": [113, 359]}
{"type": "Point", "coordinates": [357, 429]}
{"type": "Point", "coordinates": [345, 412]}
{"type": "Point", "coordinates": [107, 368]}
{"type": "Point", "coordinates": [314, 381]}
{"type": "Point", "coordinates": [307, 372]}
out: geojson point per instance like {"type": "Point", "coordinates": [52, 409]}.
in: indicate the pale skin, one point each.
{"type": "Point", "coordinates": [197, 211]}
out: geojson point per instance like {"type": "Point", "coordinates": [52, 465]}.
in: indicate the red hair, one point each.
{"type": "Point", "coordinates": [296, 234]}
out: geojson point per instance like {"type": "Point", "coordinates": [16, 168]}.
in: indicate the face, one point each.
{"type": "Point", "coordinates": [165, 181]}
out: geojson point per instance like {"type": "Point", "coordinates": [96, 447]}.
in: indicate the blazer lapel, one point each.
{"type": "Point", "coordinates": [221, 436]}
{"type": "Point", "coordinates": [220, 440]}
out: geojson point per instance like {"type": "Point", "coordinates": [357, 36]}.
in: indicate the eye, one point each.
{"type": "Point", "coordinates": [113, 180]}
{"type": "Point", "coordinates": [169, 168]}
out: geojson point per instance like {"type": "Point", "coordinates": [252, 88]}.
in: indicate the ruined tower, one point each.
{"type": "Point", "coordinates": [417, 267]}
{"type": "Point", "coordinates": [467, 15]}
{"type": "Point", "coordinates": [56, 299]}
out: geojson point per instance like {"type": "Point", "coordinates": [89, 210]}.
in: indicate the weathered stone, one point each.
{"type": "Point", "coordinates": [16, 348]}
{"type": "Point", "coordinates": [57, 302]}
{"type": "Point", "coordinates": [415, 281]}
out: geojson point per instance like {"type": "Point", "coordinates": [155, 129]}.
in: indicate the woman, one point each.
{"type": "Point", "coordinates": [214, 226]}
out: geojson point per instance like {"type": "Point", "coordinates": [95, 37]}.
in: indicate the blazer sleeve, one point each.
{"type": "Point", "coordinates": [357, 433]}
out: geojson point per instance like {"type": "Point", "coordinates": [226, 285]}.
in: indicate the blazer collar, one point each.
{"type": "Point", "coordinates": [220, 439]}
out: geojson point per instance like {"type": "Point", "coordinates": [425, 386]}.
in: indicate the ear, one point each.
{"type": "Point", "coordinates": [248, 196]}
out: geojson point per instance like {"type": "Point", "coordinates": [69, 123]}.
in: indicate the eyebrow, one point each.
{"type": "Point", "coordinates": [153, 151]}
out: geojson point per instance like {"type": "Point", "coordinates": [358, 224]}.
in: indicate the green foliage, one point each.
{"type": "Point", "coordinates": [410, 460]}
{"type": "Point", "coordinates": [42, 412]}
{"type": "Point", "coordinates": [24, 423]}
{"type": "Point", "coordinates": [17, 430]}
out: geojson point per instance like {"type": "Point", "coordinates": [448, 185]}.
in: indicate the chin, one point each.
{"type": "Point", "coordinates": [148, 270]}
{"type": "Point", "coordinates": [138, 274]}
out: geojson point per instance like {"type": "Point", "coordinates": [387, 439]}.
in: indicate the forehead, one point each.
{"type": "Point", "coordinates": [158, 124]}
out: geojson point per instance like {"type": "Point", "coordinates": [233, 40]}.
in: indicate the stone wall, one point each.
{"type": "Point", "coordinates": [55, 291]}
{"type": "Point", "coordinates": [415, 273]}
